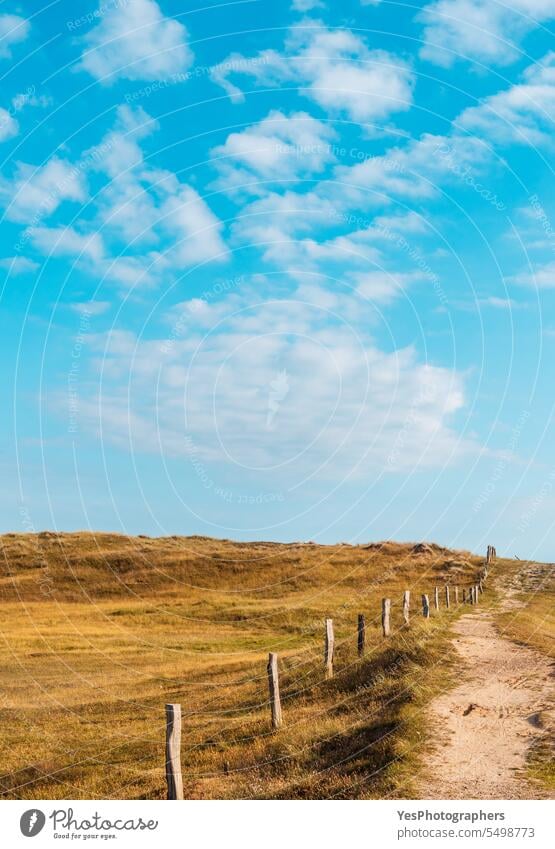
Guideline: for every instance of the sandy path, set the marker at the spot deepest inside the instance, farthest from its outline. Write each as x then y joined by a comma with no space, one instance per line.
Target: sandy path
490,720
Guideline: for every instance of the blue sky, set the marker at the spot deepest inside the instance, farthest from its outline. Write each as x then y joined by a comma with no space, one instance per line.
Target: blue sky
279,270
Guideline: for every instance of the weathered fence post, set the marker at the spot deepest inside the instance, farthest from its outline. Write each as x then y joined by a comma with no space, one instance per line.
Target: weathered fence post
476,595
386,608
425,607
480,586
436,598
173,752
361,634
273,681
464,596
328,648
406,606
456,595
447,605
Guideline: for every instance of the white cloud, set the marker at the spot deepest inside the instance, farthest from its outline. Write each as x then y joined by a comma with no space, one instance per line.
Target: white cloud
130,272
91,307
197,231
523,114
19,264
281,218
136,41
13,29
126,208
485,30
403,222
278,148
415,171
335,68
381,286
8,125
30,98
206,391
65,241
500,303
307,5
36,191
140,204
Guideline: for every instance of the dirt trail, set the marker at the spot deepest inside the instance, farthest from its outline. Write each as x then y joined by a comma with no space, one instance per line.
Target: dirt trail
491,719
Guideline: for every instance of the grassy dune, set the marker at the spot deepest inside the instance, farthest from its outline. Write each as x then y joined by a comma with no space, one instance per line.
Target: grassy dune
99,631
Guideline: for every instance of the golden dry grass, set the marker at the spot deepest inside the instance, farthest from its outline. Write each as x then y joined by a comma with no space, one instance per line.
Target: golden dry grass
531,622
100,631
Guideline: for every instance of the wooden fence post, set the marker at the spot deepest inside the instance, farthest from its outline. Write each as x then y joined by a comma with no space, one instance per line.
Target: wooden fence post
328,648
273,681
464,595
447,605
425,607
361,634
406,606
475,595
436,598
456,595
386,608
173,752
480,586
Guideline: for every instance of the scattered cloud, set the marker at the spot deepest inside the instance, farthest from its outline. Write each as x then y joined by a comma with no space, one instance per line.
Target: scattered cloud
483,30
137,204
500,303
8,125
334,68
19,265
131,272
277,148
306,5
13,30
137,42
196,229
381,286
541,277
34,192
91,307
350,408
65,241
